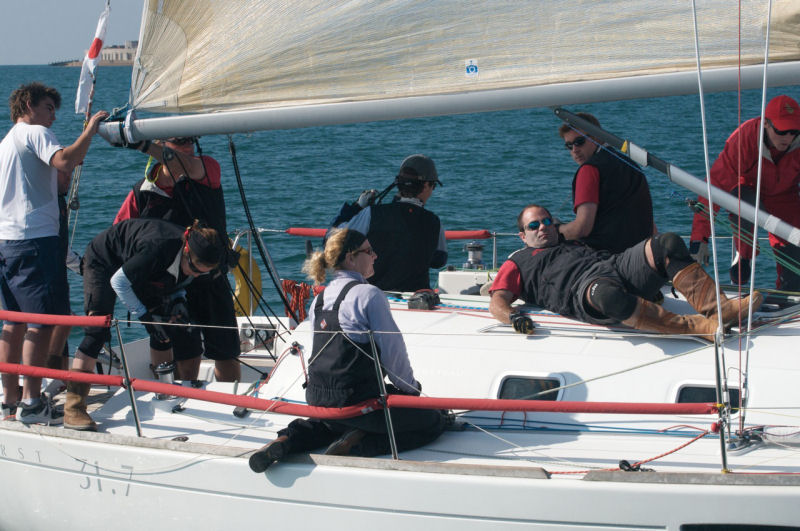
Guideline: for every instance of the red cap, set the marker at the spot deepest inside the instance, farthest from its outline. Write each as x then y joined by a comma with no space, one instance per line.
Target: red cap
783,112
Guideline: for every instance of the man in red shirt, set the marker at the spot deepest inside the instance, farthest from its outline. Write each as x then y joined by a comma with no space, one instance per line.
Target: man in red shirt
736,171
610,195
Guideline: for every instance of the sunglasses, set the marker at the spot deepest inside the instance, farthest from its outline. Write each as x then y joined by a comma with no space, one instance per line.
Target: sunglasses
181,141
534,225
581,140
792,132
192,266
368,251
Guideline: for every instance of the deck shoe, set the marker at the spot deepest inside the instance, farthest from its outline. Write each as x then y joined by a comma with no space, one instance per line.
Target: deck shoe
699,289
653,318
75,415
344,445
261,459
9,412
42,412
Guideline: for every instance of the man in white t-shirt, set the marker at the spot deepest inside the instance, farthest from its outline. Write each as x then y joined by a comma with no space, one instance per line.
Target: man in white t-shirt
30,257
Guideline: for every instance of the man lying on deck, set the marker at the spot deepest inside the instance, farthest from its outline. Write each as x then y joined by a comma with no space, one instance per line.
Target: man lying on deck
597,287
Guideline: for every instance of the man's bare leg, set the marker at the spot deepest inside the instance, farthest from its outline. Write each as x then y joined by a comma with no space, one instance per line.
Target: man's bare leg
11,352
34,354
228,370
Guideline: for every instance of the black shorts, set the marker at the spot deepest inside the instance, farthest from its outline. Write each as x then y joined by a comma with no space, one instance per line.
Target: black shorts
210,302
628,268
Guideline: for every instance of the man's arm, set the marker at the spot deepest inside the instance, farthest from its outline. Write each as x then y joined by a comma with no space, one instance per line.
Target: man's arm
66,159
439,257
176,162
583,223
500,305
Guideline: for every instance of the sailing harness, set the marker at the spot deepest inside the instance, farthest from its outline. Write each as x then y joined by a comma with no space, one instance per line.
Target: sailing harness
339,373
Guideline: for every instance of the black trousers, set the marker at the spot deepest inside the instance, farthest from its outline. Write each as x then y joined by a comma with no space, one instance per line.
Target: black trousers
412,427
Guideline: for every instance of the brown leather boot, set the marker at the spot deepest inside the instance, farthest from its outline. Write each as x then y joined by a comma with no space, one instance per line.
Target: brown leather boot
698,288
75,415
654,318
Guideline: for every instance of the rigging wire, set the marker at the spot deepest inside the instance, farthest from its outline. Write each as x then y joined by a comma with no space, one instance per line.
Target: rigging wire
745,372
169,154
259,243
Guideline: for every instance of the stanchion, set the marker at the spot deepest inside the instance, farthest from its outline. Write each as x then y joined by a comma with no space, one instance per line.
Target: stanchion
382,386
128,385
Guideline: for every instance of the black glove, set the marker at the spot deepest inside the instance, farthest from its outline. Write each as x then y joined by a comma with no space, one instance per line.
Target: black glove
698,250
521,323
156,331
142,145
178,311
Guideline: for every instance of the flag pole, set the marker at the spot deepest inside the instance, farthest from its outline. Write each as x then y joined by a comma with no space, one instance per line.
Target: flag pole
83,103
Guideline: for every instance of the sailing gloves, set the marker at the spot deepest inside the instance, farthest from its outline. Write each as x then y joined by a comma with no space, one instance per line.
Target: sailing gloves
178,311
522,323
157,332
698,250
366,198
142,145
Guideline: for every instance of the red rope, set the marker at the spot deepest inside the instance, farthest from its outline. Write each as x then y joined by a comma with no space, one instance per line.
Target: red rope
638,463
296,293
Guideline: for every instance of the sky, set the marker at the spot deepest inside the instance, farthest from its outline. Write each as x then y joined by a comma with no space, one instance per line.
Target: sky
36,32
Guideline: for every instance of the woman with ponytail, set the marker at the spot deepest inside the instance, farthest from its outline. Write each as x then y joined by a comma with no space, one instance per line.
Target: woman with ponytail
341,369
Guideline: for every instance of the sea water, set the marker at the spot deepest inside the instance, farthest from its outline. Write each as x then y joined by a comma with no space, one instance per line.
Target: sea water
491,165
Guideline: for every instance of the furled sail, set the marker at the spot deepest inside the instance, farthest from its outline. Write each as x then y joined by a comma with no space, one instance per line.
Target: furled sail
206,55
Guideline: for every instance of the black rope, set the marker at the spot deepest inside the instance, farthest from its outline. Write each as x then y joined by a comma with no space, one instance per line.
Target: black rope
177,191
261,250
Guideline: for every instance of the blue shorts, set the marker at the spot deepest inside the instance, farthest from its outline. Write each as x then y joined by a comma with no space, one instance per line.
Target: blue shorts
31,276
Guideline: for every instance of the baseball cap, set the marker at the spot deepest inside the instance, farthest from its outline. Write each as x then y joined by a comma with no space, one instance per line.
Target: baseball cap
783,112
418,167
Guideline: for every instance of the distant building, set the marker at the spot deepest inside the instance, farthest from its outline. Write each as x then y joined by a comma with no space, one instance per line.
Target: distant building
114,55
119,54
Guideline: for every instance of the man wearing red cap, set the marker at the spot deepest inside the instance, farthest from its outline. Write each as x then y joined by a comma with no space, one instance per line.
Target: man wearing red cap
736,171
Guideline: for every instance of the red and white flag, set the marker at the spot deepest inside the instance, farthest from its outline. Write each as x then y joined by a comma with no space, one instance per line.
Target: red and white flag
90,62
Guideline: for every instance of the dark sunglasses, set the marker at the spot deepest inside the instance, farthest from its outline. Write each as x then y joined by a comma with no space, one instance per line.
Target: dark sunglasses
192,266
581,140
368,251
181,141
534,225
793,132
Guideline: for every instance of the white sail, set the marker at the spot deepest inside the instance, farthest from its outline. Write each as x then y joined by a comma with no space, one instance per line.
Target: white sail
204,56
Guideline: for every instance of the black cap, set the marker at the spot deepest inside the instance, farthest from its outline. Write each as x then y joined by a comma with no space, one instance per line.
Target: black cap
418,167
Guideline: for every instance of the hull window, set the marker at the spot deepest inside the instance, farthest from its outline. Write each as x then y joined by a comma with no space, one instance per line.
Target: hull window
527,388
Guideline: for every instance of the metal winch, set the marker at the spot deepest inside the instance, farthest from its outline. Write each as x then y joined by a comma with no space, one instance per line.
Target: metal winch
474,255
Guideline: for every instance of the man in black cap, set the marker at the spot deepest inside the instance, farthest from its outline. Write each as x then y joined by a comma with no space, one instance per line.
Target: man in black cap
407,238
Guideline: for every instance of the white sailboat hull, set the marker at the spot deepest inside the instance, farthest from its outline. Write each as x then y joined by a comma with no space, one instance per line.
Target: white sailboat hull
198,489
490,476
